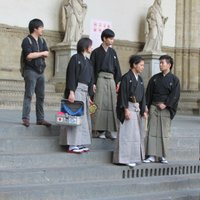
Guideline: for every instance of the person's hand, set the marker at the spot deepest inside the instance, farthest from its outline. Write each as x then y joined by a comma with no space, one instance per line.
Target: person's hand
117,87
145,115
94,88
162,106
90,101
127,114
71,97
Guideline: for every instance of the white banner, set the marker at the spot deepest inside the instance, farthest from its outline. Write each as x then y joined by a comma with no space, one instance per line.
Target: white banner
96,28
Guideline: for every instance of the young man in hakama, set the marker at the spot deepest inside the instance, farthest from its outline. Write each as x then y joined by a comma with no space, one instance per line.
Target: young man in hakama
79,86
131,104
162,96
107,75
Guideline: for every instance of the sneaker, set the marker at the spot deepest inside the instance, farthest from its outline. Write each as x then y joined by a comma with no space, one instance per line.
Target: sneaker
163,160
131,164
85,149
43,122
109,135
75,149
102,135
149,159
25,122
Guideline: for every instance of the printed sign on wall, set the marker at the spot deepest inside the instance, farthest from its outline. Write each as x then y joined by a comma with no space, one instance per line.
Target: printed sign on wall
96,28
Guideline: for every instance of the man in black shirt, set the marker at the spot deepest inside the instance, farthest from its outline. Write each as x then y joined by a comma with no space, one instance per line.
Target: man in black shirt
34,50
162,95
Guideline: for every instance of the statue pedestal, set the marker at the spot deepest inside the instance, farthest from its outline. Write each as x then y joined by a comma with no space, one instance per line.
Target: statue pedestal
63,53
151,65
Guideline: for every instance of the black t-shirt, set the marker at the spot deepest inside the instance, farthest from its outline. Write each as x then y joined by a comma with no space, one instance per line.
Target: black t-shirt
30,45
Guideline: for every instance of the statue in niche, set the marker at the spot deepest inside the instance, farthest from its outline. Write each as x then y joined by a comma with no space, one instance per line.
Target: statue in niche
73,14
154,28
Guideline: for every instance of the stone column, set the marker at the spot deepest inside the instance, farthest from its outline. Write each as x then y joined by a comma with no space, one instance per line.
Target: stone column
63,53
151,65
187,43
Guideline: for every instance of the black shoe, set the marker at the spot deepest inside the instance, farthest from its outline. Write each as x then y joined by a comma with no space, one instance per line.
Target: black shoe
25,122
44,123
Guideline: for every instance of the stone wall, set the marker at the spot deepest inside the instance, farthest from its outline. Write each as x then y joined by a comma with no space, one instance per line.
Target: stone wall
187,63
11,39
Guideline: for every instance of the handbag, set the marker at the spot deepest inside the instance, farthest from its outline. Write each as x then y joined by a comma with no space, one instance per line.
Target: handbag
70,113
74,109
92,108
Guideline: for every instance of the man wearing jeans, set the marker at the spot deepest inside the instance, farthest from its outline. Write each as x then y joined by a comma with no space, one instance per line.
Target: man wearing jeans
34,50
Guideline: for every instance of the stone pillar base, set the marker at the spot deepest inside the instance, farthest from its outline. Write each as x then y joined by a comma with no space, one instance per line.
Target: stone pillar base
63,53
151,65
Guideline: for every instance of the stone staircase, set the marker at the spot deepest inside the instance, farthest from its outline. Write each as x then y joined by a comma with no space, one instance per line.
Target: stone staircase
189,103
12,93
34,167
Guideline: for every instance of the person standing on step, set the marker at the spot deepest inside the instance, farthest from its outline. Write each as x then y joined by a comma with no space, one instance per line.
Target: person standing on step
107,75
162,96
131,105
34,50
79,86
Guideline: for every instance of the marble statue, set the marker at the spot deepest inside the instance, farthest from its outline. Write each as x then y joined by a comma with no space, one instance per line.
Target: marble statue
73,14
154,28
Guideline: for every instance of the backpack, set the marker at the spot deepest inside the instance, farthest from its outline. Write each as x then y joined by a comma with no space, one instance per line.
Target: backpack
22,58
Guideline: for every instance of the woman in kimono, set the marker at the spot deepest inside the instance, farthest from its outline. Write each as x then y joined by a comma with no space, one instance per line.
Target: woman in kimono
129,148
79,86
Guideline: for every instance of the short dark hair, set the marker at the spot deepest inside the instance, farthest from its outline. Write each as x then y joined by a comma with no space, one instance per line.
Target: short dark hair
35,24
135,59
168,59
83,43
107,33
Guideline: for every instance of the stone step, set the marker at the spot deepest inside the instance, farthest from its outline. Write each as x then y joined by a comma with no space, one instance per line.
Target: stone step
19,95
16,130
17,105
189,194
186,132
38,139
29,145
189,103
189,111
12,85
95,171
59,175
45,144
178,154
55,159
92,190
184,142
192,94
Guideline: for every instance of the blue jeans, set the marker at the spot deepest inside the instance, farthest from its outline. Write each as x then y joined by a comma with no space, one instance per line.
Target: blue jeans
34,83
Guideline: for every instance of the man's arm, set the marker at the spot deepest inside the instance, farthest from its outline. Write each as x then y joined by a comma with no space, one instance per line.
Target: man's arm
34,55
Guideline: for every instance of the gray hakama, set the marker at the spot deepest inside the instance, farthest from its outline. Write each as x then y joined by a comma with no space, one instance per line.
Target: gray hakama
159,130
78,135
105,98
129,146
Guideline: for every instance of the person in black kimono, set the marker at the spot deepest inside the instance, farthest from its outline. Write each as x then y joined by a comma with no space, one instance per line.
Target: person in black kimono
162,96
107,75
79,86
131,105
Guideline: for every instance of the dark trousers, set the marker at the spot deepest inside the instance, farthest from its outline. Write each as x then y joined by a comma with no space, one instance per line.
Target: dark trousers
34,83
